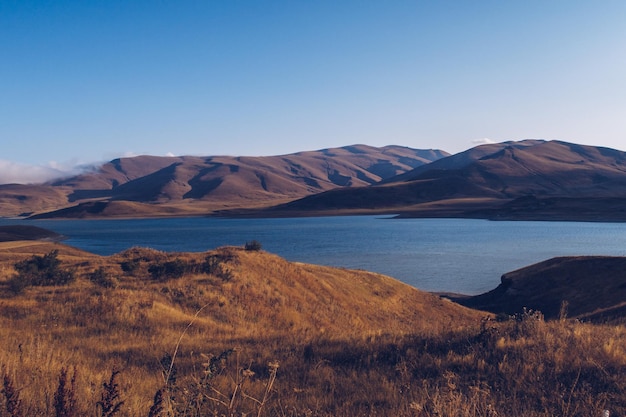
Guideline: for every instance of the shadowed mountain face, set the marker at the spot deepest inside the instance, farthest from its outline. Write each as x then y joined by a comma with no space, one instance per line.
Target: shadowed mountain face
213,182
534,167
483,181
591,287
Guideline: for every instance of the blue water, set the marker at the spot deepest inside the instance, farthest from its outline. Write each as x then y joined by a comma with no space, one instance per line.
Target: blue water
456,255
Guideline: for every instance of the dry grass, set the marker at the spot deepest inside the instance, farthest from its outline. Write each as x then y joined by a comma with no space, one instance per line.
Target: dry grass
348,343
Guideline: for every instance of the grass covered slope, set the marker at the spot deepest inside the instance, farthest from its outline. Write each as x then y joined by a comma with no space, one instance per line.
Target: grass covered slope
127,311
243,332
589,287
239,292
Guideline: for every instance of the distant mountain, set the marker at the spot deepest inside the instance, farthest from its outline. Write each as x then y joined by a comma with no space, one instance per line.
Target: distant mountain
587,287
530,179
514,169
23,200
150,185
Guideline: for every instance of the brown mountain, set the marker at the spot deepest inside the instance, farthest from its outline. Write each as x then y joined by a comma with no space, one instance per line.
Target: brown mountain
22,200
527,179
592,288
149,185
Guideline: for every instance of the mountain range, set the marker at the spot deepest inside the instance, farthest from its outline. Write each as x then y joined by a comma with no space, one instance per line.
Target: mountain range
188,185
529,179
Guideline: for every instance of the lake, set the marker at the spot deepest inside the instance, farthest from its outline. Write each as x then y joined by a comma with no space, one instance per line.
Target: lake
452,255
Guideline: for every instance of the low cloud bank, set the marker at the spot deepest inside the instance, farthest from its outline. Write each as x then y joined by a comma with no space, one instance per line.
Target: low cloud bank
482,141
16,173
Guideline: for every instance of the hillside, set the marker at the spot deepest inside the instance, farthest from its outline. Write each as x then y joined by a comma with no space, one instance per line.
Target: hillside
590,288
190,185
563,180
257,292
24,200
243,332
126,311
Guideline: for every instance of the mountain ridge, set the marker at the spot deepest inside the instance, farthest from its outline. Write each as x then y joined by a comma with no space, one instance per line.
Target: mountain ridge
531,179
483,182
190,185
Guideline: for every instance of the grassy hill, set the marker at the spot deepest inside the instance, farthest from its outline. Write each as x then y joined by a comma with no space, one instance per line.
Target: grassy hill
131,316
233,331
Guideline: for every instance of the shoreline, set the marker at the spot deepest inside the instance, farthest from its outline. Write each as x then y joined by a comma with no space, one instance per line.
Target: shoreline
395,214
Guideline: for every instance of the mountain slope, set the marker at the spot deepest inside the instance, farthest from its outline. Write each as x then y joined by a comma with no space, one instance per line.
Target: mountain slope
537,167
248,178
481,181
592,287
183,184
22,200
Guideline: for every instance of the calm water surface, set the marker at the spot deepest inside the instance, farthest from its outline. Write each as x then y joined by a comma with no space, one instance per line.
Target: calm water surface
457,255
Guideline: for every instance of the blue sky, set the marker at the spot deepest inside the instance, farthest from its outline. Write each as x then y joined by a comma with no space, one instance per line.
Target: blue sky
87,81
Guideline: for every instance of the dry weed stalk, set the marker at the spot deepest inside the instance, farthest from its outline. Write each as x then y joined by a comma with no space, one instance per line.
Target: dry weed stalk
231,401
273,367
13,404
65,395
157,404
168,374
110,403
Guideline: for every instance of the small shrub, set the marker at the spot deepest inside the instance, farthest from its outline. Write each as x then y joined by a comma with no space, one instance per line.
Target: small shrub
253,245
17,284
129,267
42,271
216,264
102,278
170,269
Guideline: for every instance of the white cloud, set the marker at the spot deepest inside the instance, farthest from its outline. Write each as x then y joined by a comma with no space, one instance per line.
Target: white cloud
16,173
483,141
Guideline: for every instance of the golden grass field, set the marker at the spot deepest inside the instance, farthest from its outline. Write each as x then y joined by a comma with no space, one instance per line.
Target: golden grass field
234,332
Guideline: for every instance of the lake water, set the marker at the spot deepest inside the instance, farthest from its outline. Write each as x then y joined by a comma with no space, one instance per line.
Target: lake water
455,255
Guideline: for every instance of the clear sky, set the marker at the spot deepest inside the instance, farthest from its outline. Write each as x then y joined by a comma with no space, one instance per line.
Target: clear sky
86,81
